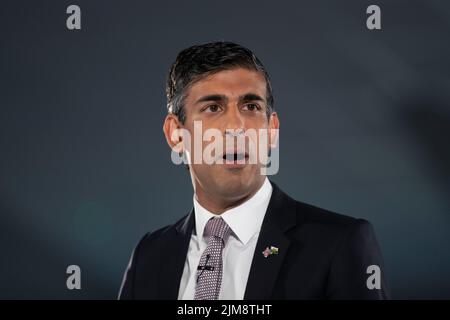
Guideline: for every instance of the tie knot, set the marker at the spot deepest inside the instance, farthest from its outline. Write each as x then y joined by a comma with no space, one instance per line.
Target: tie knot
217,227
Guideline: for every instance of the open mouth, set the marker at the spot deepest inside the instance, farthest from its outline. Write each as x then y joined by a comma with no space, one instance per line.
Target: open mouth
235,156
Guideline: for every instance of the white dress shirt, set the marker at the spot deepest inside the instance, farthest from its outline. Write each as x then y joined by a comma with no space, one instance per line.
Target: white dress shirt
245,222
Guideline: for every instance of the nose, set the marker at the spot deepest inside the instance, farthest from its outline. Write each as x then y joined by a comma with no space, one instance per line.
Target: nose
234,132
234,122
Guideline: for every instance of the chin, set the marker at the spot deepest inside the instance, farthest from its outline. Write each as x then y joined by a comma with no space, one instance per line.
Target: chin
235,185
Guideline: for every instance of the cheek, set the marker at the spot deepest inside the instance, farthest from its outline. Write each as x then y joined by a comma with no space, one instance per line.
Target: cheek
257,121
262,136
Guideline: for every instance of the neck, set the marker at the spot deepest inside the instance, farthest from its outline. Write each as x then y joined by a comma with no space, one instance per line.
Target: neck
217,204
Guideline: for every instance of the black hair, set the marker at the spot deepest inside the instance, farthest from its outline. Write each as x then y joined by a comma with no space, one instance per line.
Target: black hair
199,61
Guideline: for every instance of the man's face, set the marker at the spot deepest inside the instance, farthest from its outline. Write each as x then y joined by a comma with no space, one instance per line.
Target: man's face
228,100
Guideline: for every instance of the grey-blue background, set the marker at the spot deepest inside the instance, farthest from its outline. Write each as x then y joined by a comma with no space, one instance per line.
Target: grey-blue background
85,170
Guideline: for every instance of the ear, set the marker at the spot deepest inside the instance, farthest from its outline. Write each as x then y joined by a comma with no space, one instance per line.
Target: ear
274,126
173,133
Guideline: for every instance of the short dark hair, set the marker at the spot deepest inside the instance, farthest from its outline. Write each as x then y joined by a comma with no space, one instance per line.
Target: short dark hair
199,61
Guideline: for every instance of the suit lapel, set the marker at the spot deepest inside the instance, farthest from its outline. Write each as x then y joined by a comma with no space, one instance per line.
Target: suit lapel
172,265
279,218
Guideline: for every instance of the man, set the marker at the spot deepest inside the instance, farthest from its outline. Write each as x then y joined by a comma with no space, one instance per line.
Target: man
244,237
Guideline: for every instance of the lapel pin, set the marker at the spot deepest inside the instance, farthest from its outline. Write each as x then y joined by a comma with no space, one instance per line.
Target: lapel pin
269,251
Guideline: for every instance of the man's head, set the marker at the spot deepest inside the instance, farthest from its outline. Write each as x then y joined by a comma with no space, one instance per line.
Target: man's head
197,62
225,87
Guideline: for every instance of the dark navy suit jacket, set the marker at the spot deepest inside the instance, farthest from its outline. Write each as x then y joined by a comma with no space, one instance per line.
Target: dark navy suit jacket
321,255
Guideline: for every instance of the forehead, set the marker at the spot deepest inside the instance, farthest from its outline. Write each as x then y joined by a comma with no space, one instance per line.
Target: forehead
231,83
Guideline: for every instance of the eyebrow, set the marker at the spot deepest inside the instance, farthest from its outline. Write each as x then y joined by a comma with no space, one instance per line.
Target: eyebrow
251,97
220,97
212,97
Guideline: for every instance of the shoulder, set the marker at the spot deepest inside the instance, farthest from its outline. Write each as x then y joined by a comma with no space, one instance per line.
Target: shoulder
332,226
345,246
313,215
308,214
154,245
160,237
313,222
345,240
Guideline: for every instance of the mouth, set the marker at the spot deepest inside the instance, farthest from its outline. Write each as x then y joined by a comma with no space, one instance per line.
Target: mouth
235,156
235,159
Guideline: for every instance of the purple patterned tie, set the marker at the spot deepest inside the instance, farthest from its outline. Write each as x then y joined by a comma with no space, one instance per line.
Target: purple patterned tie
209,271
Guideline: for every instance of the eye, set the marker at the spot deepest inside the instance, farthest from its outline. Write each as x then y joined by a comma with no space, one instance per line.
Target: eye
251,107
212,108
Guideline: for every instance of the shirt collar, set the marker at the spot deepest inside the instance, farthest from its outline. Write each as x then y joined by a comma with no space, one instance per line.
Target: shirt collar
244,220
